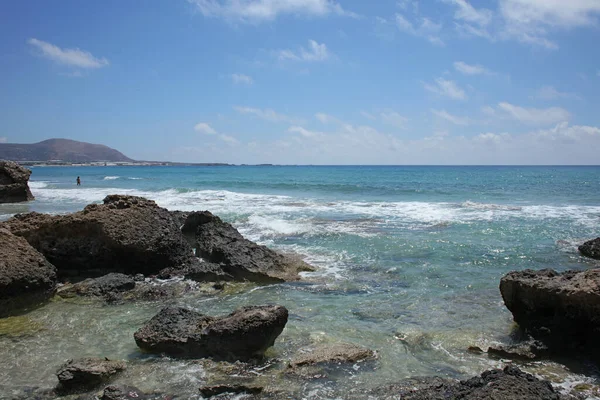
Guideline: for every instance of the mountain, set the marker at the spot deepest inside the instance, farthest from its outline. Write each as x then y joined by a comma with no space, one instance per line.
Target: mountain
60,149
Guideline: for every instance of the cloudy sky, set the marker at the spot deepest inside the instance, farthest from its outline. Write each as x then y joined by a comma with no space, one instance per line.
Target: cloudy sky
307,81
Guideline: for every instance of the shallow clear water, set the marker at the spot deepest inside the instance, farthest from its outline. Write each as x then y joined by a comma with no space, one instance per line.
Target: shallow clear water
409,261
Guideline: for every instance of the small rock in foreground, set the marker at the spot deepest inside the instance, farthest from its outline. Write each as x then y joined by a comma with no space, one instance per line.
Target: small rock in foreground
242,335
591,248
86,373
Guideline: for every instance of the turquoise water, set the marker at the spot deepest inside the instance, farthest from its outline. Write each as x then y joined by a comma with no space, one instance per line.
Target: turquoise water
409,260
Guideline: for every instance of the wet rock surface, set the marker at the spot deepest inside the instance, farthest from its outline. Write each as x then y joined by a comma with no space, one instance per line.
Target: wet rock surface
211,391
121,392
26,277
561,310
220,243
13,183
86,373
126,234
508,384
526,351
242,335
333,353
591,248
107,285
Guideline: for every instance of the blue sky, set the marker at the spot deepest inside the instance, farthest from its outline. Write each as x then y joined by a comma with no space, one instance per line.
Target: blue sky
307,81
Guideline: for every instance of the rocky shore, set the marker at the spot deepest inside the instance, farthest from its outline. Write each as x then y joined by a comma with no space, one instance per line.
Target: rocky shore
13,183
124,249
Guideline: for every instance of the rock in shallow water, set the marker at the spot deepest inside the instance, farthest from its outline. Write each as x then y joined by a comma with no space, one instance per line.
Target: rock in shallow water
13,183
591,248
561,310
242,335
86,373
26,277
333,353
107,285
126,234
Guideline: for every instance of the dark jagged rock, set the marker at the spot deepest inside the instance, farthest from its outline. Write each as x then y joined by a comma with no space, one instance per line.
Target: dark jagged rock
126,234
107,285
219,242
527,350
13,183
26,277
334,353
86,373
561,310
120,392
591,248
197,270
244,334
210,391
508,384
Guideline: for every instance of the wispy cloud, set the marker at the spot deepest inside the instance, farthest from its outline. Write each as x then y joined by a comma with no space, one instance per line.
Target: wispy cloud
468,69
304,132
532,21
463,121
70,57
267,114
315,52
534,116
256,11
551,93
206,129
242,79
326,118
424,27
203,127
393,118
446,88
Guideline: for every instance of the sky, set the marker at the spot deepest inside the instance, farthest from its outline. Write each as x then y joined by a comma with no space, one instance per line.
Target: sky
428,82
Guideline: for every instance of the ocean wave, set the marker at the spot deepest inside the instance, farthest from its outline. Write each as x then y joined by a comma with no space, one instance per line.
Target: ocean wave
489,206
38,184
111,178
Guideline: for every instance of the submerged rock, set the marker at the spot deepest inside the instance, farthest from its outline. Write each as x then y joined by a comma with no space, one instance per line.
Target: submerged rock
26,277
333,353
13,183
86,373
508,384
591,248
220,243
527,351
211,391
561,310
244,334
120,392
126,234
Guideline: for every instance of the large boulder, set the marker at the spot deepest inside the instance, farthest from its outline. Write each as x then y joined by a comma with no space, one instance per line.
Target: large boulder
561,310
242,335
591,248
13,183
86,373
126,234
219,242
26,277
508,384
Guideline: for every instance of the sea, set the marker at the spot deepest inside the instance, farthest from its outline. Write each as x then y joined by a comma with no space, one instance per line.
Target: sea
408,263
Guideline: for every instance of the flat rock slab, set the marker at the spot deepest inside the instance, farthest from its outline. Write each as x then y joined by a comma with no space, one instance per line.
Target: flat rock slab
26,277
242,335
220,243
86,373
107,285
591,248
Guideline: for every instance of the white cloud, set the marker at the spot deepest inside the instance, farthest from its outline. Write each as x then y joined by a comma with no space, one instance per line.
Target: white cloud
315,52
471,69
3,140
531,21
551,93
446,88
228,139
204,128
425,28
71,57
463,121
242,79
466,12
267,114
326,118
534,116
393,118
257,11
304,132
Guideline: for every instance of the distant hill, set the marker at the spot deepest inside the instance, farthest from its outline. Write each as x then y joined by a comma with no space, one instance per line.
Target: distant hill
61,149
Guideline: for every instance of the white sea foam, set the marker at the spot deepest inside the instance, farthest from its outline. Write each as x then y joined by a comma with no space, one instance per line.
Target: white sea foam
38,184
111,178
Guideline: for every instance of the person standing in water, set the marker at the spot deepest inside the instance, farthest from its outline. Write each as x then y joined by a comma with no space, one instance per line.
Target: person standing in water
78,181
